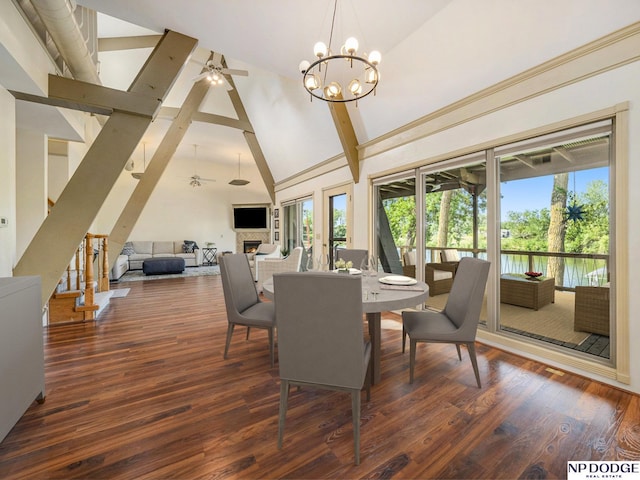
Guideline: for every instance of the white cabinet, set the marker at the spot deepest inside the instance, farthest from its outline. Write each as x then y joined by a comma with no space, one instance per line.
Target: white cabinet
21,349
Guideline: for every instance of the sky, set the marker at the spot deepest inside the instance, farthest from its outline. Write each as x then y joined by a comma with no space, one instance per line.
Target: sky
535,193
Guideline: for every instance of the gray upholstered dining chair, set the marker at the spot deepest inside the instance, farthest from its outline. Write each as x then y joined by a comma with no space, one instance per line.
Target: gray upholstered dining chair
458,322
320,338
242,302
353,255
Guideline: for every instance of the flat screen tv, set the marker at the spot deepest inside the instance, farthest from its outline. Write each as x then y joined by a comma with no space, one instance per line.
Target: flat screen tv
250,217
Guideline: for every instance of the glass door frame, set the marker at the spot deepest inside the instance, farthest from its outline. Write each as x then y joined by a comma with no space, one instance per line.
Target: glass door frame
327,216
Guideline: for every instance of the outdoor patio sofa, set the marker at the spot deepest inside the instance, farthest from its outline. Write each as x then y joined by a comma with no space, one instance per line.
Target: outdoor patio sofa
591,312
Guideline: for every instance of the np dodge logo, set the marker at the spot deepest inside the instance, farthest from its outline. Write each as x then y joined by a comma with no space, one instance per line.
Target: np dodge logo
603,470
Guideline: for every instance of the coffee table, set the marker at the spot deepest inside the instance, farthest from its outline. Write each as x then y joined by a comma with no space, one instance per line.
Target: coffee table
384,299
518,289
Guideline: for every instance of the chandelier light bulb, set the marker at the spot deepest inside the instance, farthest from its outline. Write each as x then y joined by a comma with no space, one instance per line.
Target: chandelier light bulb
320,50
351,45
332,90
304,65
312,82
209,78
355,87
371,76
375,57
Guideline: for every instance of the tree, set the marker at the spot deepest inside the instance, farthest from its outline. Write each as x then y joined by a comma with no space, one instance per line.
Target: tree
443,221
557,226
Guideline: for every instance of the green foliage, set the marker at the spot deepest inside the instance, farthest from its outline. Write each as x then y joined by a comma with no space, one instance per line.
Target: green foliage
401,213
528,229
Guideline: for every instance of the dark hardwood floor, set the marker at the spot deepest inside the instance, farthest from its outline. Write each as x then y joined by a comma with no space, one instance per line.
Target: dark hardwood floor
145,393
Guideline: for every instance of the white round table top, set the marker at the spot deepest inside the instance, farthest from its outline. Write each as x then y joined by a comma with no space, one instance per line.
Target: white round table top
377,296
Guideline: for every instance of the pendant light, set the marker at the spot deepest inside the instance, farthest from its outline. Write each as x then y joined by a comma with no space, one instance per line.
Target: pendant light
238,181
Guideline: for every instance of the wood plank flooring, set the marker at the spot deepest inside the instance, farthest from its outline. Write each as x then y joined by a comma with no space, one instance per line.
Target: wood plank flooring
144,393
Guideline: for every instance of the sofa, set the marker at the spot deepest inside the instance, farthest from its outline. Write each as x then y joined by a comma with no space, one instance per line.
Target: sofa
135,253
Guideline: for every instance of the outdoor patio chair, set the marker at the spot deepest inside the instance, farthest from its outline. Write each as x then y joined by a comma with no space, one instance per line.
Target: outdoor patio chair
458,322
321,339
438,276
450,257
242,302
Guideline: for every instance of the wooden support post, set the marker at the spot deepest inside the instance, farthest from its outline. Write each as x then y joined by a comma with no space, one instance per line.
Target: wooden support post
87,190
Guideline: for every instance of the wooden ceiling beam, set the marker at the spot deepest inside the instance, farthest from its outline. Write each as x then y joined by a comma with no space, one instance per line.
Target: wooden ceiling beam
214,119
347,135
252,140
85,193
111,44
80,95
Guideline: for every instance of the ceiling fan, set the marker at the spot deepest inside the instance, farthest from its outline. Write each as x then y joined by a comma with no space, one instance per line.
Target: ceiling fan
215,72
196,180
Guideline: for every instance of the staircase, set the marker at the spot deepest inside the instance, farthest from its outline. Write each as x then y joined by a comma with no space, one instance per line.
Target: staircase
79,297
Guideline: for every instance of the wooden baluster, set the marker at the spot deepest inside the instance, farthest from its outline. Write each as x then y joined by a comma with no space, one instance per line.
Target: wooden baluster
78,277
104,279
88,279
68,277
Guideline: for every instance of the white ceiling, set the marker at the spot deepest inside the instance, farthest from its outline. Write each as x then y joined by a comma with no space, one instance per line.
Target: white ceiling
434,52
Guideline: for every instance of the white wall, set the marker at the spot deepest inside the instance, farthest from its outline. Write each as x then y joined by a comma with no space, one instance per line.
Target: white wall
178,211
7,182
31,185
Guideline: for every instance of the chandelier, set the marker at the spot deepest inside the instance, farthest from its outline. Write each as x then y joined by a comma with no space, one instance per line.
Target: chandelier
343,77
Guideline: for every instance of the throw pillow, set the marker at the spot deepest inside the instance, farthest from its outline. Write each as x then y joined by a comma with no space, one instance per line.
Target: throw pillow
189,246
127,249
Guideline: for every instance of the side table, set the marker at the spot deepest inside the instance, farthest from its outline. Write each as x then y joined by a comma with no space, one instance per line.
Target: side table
209,255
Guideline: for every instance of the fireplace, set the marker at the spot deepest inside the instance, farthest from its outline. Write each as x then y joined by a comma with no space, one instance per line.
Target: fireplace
250,246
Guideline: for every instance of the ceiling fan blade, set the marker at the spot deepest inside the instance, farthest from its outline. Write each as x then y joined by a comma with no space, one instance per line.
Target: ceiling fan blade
216,58
231,71
200,77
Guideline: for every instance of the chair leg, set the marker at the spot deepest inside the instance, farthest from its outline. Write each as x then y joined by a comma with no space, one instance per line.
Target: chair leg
271,349
459,354
474,361
284,397
369,380
229,334
404,338
355,412
412,358
248,330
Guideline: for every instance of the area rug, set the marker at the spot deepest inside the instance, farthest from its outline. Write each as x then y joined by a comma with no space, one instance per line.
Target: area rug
120,292
138,275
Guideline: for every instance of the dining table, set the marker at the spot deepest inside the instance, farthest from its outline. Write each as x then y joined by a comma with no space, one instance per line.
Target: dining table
378,296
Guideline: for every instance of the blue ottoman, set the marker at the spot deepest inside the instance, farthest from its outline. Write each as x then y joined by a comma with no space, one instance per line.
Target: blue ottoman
160,265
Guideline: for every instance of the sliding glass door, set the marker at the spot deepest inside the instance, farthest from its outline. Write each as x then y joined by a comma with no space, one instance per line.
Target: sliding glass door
555,236
297,222
540,210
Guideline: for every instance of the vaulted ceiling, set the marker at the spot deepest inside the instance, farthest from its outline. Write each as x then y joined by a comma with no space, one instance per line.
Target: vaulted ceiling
433,53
